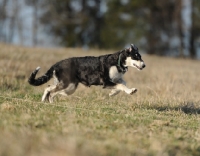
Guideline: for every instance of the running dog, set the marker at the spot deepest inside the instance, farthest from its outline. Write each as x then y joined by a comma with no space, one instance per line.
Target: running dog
106,70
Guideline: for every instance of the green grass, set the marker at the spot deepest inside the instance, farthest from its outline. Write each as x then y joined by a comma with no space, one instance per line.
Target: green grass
161,119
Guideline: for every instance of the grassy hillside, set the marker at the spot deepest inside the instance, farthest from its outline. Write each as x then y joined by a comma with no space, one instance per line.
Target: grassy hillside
161,119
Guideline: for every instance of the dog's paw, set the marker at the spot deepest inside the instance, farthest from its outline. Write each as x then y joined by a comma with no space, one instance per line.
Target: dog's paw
133,90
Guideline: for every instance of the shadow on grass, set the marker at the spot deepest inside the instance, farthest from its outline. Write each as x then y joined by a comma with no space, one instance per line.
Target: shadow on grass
190,108
186,107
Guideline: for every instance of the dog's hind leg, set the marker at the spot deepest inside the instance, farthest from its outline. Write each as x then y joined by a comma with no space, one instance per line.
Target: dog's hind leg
51,91
49,88
47,92
69,90
60,89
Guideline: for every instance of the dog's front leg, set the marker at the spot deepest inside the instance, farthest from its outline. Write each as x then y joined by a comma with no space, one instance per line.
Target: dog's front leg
121,86
114,92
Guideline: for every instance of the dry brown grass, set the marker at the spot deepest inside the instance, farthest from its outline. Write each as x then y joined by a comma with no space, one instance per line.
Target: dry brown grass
162,118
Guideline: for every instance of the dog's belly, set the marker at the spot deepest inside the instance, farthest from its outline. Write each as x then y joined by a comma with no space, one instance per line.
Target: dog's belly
89,70
91,79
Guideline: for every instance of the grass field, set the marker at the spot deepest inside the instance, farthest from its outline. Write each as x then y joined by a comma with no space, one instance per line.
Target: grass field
161,119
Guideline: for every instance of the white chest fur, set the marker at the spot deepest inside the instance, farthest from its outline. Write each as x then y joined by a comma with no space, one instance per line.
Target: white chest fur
114,74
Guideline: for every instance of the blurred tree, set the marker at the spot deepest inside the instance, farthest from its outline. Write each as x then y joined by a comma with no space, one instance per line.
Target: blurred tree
158,21
35,4
164,24
192,33
12,17
195,28
179,21
3,16
124,23
156,25
9,17
75,22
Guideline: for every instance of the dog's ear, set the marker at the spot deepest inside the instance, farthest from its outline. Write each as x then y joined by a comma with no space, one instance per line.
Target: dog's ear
130,49
133,47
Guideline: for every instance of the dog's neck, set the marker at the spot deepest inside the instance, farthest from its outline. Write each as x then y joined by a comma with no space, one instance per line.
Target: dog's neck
120,66
119,60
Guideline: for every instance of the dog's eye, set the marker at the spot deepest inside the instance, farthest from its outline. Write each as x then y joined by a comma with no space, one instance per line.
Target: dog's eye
138,57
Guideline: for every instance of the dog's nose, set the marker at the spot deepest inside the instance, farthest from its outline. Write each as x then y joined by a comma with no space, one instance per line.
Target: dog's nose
143,66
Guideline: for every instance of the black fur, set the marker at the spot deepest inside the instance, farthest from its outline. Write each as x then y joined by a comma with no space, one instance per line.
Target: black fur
41,80
87,70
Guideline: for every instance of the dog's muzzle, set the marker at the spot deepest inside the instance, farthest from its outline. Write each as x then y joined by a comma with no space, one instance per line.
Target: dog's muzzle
142,65
139,67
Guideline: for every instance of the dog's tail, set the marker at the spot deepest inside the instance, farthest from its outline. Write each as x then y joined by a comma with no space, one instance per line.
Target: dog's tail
41,80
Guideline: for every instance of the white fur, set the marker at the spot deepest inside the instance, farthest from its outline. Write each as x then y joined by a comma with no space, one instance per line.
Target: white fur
123,87
38,68
52,89
69,90
134,63
46,91
55,78
116,77
114,74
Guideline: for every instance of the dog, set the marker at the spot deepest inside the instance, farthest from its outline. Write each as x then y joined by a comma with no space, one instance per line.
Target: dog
106,70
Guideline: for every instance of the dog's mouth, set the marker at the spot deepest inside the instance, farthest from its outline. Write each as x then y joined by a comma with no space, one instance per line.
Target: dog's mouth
139,68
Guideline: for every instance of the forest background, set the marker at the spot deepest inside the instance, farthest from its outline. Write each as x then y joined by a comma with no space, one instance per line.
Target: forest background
169,28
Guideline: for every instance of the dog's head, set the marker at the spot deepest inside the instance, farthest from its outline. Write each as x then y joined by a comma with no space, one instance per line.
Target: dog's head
133,58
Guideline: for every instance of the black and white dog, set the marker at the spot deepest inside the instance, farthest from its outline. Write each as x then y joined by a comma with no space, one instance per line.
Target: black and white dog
105,70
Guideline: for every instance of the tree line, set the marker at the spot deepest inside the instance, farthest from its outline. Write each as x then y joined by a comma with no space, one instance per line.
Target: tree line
158,26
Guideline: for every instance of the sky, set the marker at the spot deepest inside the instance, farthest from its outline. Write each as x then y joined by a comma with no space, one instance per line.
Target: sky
23,26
